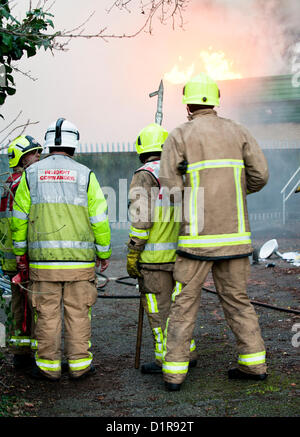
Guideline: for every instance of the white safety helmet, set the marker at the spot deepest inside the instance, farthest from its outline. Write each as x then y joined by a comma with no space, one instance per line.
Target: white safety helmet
62,134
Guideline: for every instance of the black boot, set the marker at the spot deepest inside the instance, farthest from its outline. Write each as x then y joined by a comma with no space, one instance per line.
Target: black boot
23,361
151,368
238,374
171,386
192,363
64,367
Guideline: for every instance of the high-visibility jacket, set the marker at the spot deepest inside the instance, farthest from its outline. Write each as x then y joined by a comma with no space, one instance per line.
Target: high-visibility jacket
224,163
160,232
60,216
8,260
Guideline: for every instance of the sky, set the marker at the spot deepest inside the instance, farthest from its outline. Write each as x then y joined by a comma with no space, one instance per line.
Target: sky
103,86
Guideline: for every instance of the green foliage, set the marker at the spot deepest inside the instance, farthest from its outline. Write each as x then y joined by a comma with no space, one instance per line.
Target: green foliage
19,38
11,406
260,390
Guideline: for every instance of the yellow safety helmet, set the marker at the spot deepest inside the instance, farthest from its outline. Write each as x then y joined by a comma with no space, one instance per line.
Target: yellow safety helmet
151,139
19,147
201,90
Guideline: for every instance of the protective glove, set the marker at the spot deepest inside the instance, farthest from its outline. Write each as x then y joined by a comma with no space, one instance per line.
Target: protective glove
133,263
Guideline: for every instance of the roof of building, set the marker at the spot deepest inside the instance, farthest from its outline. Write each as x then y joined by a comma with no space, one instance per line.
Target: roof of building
269,99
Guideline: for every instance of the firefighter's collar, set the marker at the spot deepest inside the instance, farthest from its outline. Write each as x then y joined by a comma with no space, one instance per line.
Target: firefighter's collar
152,158
200,112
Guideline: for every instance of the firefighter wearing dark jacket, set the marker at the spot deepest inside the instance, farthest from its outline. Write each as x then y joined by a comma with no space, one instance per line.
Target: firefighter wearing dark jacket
22,152
153,240
223,163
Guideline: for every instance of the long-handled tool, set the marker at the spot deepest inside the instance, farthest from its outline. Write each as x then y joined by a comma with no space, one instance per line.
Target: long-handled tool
158,120
160,94
139,335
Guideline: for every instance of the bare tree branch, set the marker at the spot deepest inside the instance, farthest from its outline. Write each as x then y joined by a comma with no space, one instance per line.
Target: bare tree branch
6,127
25,73
22,126
168,9
163,9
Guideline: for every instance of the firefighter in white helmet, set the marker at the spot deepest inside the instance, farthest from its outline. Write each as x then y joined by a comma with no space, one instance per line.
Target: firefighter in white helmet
216,163
153,239
60,220
22,152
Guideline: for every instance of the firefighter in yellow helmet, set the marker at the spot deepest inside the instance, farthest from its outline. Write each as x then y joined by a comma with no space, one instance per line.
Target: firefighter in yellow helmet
60,219
22,152
153,239
216,163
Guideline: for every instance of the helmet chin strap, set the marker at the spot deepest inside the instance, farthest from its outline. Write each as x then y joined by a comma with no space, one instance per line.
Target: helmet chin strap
190,114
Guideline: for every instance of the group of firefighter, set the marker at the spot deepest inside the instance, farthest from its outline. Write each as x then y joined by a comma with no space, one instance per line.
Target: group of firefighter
188,213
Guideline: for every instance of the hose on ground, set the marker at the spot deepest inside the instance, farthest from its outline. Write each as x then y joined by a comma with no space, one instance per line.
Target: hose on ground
121,280
263,304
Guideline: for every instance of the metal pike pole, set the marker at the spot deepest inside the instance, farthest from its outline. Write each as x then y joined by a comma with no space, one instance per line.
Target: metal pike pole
158,120
139,336
160,94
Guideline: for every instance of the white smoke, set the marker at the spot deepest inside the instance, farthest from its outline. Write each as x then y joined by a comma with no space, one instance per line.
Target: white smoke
271,26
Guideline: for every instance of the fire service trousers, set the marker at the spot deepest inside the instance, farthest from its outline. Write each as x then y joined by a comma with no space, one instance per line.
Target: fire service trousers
156,289
230,277
74,300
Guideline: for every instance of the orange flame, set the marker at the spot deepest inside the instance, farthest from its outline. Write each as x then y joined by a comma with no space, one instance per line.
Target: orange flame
214,64
217,66
177,75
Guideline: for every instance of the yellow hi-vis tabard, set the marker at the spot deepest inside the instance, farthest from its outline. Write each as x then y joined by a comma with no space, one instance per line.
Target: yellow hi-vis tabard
8,261
61,212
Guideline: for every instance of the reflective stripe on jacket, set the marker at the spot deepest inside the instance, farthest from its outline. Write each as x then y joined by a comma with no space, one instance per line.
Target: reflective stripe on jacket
162,235
240,236
8,258
61,205
224,164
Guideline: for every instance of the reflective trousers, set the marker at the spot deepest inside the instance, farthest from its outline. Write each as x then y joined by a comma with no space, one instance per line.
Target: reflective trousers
74,300
230,278
156,288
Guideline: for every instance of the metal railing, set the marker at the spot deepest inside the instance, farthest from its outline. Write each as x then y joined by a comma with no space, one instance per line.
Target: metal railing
263,216
285,196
